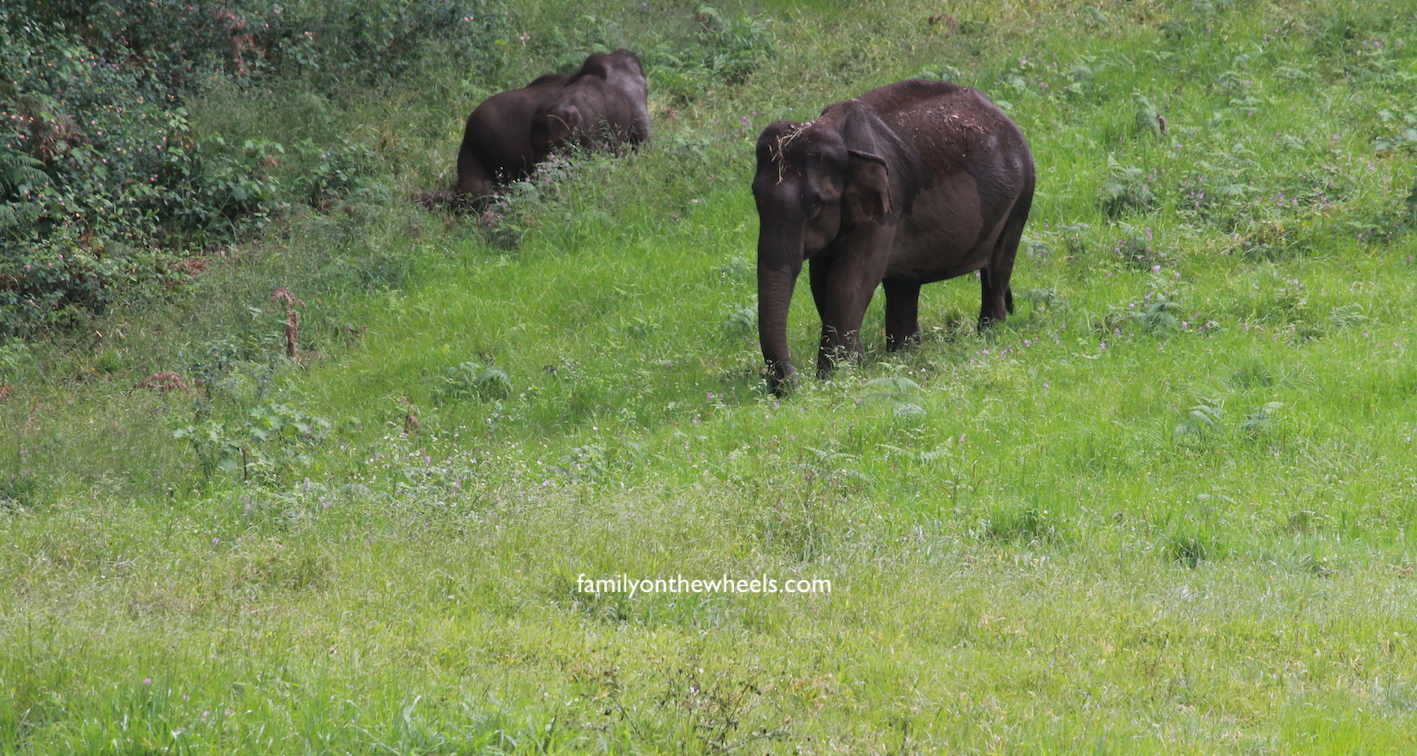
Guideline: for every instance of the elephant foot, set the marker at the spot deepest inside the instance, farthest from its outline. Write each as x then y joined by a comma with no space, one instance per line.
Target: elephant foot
453,201
435,200
897,343
987,321
782,379
830,358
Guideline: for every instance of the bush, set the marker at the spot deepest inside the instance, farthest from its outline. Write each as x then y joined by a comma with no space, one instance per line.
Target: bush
470,380
105,185
723,50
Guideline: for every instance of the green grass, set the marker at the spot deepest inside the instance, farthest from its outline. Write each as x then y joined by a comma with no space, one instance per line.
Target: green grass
1164,509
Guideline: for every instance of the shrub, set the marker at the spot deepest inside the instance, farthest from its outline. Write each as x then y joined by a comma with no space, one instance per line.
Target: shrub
469,380
1126,188
724,49
105,186
267,444
1019,524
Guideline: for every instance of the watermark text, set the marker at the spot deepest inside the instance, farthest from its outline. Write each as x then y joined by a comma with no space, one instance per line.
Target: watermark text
680,584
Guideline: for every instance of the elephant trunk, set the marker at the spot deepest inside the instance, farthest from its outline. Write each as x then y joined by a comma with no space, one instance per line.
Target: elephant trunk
779,263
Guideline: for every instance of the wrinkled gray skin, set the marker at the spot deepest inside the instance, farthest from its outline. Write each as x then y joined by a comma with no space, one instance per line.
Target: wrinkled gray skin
605,102
603,105
915,182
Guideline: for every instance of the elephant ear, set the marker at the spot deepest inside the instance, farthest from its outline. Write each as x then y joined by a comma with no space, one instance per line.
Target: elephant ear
563,122
867,196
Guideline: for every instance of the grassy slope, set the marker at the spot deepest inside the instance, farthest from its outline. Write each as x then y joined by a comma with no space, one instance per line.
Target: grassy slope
1027,555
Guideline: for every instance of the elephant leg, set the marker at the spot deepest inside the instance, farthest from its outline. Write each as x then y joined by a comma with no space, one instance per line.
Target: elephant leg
1001,270
474,181
849,286
829,348
993,306
902,314
996,296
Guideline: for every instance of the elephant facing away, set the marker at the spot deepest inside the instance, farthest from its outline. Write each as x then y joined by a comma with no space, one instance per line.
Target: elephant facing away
496,143
914,182
604,103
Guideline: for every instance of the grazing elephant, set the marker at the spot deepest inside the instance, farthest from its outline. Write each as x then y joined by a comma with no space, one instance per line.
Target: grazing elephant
496,144
511,132
915,182
605,103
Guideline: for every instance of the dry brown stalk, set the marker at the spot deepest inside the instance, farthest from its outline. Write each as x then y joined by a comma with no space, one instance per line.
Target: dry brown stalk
164,382
292,321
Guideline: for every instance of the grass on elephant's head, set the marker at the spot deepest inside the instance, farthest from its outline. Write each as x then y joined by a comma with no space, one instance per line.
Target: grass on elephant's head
1164,508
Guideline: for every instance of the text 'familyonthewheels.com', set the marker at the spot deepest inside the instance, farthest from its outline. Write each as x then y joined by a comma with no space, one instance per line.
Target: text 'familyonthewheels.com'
679,584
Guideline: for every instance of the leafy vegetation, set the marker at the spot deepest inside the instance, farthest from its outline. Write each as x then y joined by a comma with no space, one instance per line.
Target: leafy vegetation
111,191
322,472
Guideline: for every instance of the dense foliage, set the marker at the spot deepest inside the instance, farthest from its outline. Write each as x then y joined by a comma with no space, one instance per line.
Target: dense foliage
108,189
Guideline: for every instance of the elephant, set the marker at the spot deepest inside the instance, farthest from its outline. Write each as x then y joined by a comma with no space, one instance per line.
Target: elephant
603,104
915,182
511,132
496,143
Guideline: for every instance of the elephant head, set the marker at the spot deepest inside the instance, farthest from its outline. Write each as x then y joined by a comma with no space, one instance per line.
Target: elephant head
815,183
604,103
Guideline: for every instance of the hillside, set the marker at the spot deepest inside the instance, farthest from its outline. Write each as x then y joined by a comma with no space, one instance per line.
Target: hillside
1166,508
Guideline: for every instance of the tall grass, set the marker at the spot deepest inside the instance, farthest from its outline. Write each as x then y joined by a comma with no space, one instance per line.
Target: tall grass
1165,508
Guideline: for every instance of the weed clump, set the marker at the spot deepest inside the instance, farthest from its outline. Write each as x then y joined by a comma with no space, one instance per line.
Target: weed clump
1205,424
266,444
1127,188
515,210
1262,420
1150,121
472,381
1252,372
1399,131
1191,549
1020,524
18,489
1045,300
1202,422
1346,316
741,323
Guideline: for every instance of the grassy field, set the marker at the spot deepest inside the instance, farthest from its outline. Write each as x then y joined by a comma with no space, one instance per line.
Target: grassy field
1167,508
